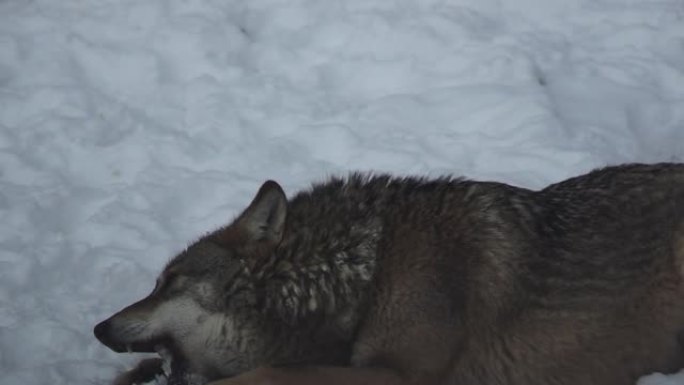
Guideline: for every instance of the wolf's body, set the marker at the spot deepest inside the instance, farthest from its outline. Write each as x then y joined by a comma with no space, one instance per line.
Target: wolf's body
381,280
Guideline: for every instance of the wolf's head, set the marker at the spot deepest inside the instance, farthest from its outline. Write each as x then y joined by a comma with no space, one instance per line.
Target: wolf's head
205,307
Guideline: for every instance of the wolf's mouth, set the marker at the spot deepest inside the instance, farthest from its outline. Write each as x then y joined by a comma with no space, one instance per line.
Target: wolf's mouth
174,365
135,347
148,346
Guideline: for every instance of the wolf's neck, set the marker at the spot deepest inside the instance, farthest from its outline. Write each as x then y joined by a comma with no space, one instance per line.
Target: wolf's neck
323,273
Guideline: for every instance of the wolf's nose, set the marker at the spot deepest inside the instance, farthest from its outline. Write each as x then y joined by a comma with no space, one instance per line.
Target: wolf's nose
101,331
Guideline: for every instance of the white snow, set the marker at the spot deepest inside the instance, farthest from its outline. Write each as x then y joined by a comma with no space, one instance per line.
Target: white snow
128,128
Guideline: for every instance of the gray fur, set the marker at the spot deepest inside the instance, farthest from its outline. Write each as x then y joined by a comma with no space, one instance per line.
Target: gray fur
444,281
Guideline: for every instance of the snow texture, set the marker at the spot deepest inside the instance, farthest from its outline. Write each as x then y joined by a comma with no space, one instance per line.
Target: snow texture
129,128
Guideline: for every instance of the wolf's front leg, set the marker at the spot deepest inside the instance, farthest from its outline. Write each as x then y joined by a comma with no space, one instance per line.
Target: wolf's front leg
317,376
145,371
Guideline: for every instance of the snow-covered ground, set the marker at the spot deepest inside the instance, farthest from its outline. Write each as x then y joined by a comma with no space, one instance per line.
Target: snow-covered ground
128,128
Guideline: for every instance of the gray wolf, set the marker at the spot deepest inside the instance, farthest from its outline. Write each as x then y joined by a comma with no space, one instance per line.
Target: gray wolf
374,279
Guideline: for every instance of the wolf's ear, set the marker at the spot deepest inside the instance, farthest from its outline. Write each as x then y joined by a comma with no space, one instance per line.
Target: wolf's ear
264,219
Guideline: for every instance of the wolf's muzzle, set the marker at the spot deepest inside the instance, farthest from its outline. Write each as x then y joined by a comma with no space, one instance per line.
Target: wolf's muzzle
103,332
